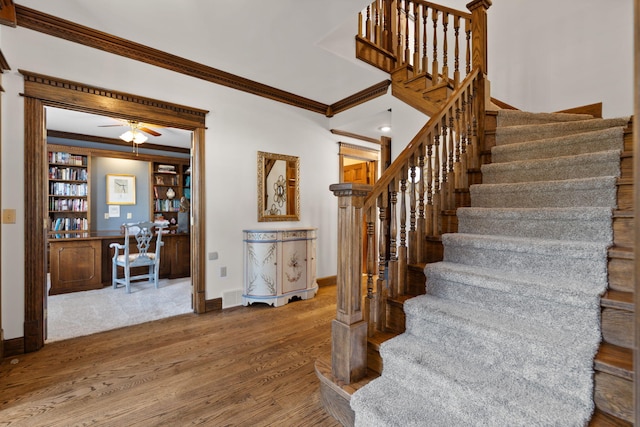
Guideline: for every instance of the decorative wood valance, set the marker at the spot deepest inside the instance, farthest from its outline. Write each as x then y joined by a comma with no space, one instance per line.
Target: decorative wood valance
95,100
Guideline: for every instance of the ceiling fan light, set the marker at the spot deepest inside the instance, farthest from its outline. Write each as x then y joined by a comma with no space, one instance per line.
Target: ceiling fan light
127,136
139,138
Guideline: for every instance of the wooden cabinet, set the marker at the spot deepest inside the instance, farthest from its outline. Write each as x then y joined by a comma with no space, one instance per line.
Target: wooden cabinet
279,265
68,190
82,261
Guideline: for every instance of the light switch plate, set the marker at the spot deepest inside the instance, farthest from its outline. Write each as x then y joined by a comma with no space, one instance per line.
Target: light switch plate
8,216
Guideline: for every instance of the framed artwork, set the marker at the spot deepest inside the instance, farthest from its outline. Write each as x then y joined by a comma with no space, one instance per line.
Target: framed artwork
121,189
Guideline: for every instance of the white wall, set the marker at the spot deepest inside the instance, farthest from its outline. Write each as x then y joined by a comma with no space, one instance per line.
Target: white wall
238,125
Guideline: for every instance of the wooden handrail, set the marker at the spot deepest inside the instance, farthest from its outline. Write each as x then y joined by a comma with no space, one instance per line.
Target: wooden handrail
394,169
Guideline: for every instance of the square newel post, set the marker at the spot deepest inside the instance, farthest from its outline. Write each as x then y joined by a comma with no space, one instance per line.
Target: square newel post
348,329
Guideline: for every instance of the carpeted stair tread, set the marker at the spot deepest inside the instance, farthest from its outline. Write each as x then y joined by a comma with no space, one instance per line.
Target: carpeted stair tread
491,325
588,165
565,292
510,293
523,133
571,223
597,191
586,142
549,259
516,118
403,408
482,380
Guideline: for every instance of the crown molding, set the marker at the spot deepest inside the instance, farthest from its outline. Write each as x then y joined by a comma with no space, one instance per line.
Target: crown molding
67,30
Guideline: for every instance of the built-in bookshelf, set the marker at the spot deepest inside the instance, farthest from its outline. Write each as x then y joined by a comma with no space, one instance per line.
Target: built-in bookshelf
68,192
169,185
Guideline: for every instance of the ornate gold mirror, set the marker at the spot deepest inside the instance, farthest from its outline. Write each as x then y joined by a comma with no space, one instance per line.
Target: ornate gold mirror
278,187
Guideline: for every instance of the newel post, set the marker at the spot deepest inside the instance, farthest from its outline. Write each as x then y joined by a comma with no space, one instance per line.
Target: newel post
479,60
348,329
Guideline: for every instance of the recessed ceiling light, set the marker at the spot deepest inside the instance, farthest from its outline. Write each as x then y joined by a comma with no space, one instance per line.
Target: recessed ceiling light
384,128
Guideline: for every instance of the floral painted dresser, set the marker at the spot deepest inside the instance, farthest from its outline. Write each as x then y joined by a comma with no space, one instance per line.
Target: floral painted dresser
279,265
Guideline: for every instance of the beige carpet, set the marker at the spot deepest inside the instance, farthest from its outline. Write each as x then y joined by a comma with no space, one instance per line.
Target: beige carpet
83,313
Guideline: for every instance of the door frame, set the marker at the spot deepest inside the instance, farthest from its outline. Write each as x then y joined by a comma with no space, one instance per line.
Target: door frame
42,91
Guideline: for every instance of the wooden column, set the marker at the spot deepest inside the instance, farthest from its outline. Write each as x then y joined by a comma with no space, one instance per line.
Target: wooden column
348,329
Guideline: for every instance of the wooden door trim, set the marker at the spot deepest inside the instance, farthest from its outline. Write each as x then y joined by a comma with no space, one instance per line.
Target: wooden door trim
41,91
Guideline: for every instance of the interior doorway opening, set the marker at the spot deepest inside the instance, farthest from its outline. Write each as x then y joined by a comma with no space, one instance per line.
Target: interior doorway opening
43,91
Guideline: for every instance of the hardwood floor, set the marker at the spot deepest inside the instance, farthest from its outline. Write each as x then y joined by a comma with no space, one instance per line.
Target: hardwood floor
247,366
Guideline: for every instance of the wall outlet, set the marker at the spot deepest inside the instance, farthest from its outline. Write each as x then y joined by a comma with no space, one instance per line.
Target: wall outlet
106,215
129,215
223,271
213,256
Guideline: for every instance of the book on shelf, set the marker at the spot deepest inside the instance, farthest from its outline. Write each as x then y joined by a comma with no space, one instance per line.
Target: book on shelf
166,169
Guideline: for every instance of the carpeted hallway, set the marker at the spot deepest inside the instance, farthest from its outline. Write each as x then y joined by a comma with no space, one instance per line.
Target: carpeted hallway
83,313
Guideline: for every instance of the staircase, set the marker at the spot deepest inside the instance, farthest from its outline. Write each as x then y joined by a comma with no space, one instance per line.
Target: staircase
530,195
517,254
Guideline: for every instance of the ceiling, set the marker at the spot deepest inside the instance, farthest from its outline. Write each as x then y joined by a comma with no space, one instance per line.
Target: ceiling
305,47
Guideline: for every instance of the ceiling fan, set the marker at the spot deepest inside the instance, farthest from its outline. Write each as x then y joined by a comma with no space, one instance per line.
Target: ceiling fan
135,133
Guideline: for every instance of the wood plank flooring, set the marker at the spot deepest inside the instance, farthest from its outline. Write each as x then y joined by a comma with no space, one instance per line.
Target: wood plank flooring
247,366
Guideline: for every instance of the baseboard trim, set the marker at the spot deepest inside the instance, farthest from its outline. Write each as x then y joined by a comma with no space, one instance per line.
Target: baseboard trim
13,347
327,281
213,305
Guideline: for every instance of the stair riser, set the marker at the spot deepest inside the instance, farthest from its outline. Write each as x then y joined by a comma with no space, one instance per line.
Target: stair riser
592,231
517,118
544,265
623,232
621,274
498,175
554,148
550,313
509,135
598,197
614,395
616,327
626,167
625,196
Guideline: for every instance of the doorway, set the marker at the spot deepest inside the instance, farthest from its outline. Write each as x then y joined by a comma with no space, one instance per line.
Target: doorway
42,91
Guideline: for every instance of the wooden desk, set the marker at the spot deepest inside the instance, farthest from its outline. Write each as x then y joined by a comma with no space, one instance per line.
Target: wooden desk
81,261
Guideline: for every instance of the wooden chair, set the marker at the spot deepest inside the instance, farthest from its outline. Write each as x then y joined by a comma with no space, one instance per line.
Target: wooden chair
144,233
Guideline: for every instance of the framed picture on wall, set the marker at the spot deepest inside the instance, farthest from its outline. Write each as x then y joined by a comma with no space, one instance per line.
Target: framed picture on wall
121,189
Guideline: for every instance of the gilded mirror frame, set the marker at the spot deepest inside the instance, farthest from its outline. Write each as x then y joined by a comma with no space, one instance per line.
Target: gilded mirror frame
286,189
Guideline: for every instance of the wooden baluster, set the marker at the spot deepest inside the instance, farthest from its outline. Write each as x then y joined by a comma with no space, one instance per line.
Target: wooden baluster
371,299
367,24
467,30
452,177
360,33
402,247
434,65
445,46
416,39
399,30
444,186
413,250
429,178
393,239
382,284
472,131
421,230
460,165
437,183
425,57
456,66
387,23
376,23
407,48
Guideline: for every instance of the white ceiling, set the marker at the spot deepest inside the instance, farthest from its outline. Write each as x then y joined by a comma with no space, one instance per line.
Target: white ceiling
305,47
